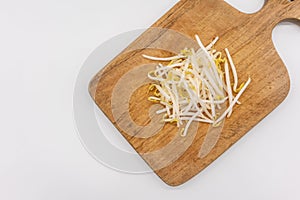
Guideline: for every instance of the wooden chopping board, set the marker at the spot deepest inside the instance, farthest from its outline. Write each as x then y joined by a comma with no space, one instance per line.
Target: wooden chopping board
120,89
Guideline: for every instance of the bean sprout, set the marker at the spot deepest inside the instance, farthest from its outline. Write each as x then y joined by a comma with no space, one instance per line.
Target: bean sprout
193,86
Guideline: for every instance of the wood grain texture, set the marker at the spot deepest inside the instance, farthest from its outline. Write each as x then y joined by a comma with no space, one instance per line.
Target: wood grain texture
249,39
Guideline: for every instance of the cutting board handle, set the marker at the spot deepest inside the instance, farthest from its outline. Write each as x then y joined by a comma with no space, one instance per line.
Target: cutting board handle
285,9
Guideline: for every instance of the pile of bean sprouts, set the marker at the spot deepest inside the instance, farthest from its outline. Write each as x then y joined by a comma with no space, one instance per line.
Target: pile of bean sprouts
194,85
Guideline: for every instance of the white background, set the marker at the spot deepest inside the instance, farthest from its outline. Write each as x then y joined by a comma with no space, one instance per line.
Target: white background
43,45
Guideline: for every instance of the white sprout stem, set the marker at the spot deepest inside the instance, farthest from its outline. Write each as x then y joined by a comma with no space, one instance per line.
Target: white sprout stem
228,84
233,102
198,120
154,98
234,73
163,59
164,69
161,111
162,92
190,114
188,125
217,101
208,47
